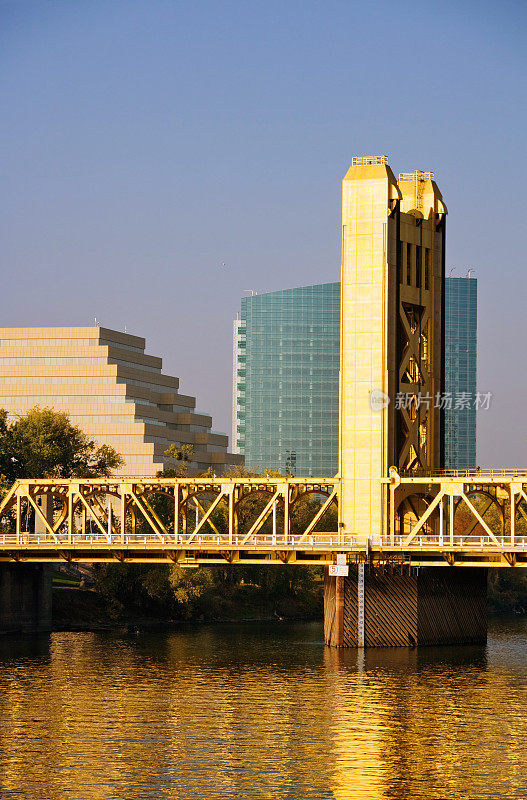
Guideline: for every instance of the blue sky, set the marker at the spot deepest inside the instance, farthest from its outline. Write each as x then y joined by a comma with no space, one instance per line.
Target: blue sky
145,142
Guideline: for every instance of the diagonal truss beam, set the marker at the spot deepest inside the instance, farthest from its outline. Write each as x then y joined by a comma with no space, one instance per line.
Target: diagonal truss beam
7,501
412,342
105,515
479,518
323,508
206,512
149,514
475,522
421,521
93,515
206,517
255,527
42,517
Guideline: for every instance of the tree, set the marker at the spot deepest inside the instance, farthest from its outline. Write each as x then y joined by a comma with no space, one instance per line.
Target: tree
44,444
183,454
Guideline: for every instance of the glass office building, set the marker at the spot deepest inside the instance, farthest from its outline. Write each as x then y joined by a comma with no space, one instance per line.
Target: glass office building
461,318
286,375
286,367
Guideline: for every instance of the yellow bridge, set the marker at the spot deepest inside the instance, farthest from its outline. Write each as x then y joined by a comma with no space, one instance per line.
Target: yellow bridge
464,519
389,510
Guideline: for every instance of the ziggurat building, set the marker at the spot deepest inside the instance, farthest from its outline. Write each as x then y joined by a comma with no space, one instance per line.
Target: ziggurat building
110,388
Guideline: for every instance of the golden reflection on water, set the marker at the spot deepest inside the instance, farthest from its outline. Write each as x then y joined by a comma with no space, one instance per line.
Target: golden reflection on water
260,712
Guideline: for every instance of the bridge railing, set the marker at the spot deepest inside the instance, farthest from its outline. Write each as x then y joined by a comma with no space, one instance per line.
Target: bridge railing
501,472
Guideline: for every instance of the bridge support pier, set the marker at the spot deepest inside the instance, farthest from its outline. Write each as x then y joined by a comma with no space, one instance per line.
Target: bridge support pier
26,589
425,606
25,598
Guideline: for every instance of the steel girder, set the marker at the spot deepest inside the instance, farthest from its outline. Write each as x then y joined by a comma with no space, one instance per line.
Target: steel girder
167,518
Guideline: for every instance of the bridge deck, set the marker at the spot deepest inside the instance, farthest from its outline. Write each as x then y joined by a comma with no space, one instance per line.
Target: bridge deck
469,519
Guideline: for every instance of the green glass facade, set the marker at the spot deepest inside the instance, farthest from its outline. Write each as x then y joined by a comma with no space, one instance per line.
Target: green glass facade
461,321
286,373
286,380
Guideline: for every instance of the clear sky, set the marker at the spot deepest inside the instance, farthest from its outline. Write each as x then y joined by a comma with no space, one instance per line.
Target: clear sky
145,142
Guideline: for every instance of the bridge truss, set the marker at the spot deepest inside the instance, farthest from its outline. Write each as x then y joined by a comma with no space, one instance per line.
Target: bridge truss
473,518
465,518
183,520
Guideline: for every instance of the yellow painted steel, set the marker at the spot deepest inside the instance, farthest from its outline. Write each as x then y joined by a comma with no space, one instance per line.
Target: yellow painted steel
448,513
433,520
393,244
210,520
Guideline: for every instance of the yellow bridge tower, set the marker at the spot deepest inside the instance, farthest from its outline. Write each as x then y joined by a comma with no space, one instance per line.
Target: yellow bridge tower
391,381
391,347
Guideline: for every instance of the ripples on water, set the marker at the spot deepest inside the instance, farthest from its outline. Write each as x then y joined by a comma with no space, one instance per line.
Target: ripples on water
260,711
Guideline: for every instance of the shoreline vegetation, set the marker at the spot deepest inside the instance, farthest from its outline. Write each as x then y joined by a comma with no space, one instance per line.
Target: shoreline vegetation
507,590
44,444
135,596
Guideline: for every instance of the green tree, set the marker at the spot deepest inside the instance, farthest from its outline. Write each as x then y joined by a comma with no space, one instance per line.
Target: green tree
189,586
44,444
183,454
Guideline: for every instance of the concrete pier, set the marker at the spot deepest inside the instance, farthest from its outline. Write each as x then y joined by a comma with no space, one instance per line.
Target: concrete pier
25,598
26,589
387,608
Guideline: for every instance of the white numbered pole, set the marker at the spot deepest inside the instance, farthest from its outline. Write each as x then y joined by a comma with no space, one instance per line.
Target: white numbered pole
109,520
360,606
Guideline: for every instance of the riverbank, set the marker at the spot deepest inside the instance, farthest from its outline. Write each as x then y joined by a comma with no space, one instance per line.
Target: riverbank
507,591
116,595
77,609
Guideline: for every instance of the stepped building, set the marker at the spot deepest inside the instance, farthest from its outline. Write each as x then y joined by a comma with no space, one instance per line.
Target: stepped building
113,390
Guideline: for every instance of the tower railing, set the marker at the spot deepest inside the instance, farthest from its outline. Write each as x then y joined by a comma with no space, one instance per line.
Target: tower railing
368,161
416,175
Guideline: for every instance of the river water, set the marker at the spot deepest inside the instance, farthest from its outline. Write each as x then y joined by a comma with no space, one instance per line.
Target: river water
260,711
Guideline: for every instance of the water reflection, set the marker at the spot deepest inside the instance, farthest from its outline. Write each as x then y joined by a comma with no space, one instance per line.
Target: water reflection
260,712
